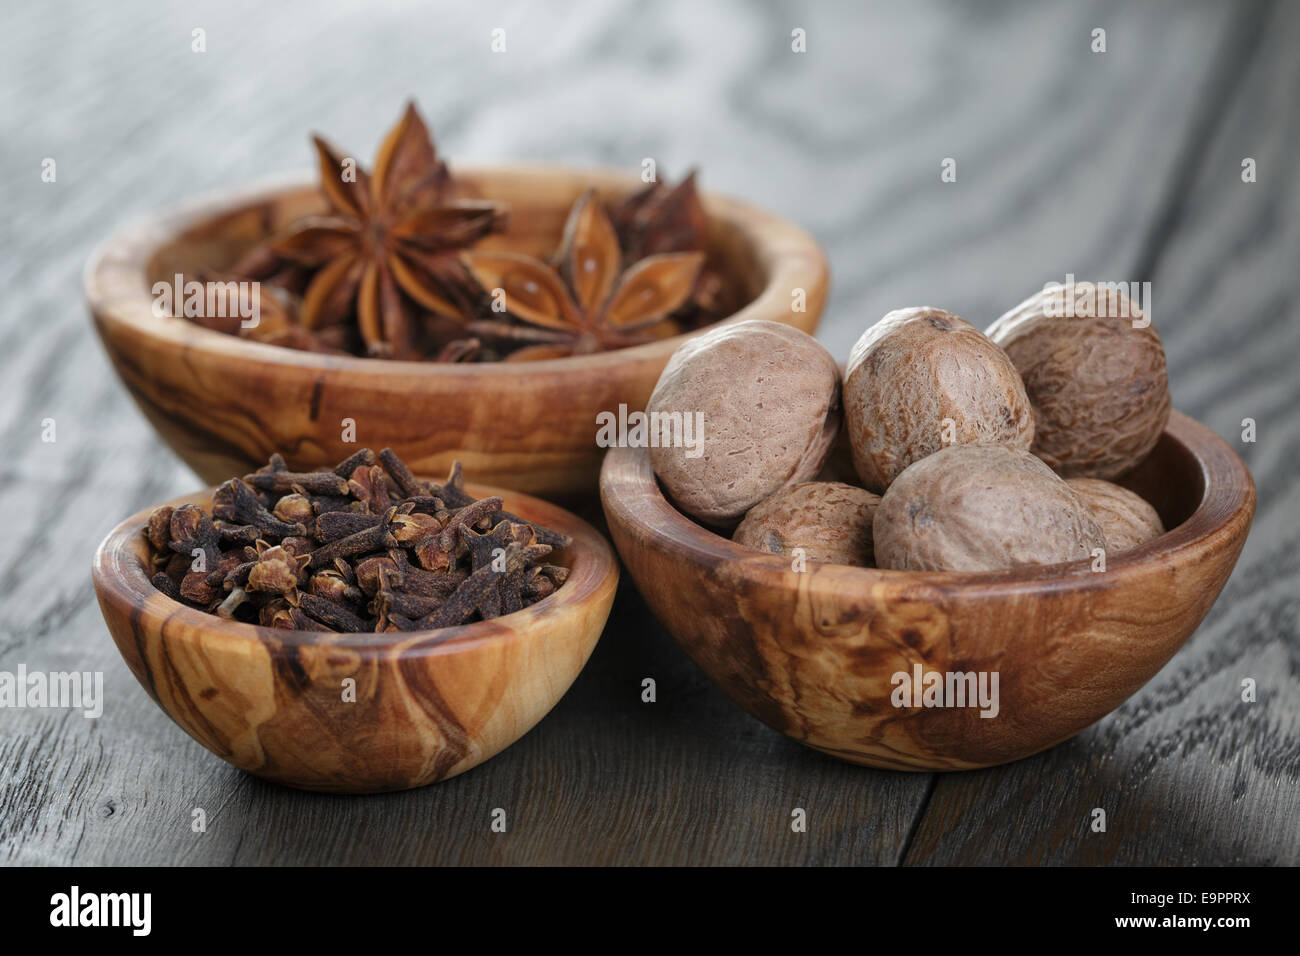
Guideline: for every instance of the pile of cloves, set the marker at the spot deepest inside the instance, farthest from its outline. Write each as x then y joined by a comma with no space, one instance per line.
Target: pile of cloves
366,546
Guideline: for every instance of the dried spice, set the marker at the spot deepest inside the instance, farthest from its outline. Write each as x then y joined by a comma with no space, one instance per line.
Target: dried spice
584,301
386,249
381,272
278,322
659,219
365,546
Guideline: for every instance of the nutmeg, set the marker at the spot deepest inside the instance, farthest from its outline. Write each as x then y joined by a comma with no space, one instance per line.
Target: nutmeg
981,508
767,398
1097,383
1126,519
830,521
921,379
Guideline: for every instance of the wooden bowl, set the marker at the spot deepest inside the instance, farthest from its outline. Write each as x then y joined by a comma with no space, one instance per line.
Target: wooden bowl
428,705
224,403
813,654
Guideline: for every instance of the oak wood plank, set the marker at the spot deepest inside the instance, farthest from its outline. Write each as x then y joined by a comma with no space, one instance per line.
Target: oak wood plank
1185,770
1061,156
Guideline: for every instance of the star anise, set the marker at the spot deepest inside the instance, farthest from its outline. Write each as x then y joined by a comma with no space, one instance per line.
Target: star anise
583,301
662,218
277,320
388,246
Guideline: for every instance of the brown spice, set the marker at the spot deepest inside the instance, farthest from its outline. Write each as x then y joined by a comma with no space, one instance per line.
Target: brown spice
584,300
828,521
402,554
387,248
1094,370
660,219
381,273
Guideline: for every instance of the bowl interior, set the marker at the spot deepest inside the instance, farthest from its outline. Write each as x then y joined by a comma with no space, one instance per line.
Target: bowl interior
539,203
1198,485
123,563
1174,500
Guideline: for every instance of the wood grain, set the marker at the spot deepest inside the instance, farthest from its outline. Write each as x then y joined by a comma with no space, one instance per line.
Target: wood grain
1124,166
1187,771
224,404
813,652
424,706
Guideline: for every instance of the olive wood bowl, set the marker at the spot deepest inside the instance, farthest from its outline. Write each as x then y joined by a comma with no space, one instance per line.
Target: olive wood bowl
224,403
428,705
813,654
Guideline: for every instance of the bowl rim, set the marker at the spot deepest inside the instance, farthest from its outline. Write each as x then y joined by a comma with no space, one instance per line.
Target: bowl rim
120,580
632,497
116,287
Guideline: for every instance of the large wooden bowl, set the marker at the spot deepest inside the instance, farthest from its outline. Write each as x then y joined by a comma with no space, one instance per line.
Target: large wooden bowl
428,705
224,403
813,654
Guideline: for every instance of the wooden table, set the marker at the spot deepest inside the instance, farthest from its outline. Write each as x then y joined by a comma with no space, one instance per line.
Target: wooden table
1125,165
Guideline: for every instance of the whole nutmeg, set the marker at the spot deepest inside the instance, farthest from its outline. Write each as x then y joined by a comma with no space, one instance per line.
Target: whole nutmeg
1125,517
829,520
766,398
1097,383
921,379
981,508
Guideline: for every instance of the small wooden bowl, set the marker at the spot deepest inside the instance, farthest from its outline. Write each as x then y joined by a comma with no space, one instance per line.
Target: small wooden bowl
428,705
813,654
224,403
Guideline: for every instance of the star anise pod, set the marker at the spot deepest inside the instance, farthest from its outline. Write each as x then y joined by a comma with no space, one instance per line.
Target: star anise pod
388,245
661,218
459,350
583,301
277,320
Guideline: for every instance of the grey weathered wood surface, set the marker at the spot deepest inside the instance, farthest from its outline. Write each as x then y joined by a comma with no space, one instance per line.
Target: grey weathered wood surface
1124,165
